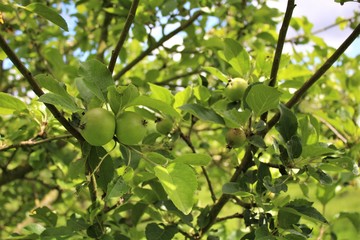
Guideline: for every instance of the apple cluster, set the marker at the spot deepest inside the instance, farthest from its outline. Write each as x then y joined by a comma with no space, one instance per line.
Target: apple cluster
98,126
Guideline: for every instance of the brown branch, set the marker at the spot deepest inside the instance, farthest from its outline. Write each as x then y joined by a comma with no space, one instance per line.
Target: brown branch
14,174
30,143
319,73
123,35
279,48
236,215
156,45
36,88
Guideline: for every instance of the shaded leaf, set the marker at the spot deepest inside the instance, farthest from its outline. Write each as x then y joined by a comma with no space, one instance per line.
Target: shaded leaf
155,231
45,215
288,124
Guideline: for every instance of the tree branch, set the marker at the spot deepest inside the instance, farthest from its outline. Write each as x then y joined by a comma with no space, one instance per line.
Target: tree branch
123,35
319,73
157,44
36,88
279,47
14,174
30,143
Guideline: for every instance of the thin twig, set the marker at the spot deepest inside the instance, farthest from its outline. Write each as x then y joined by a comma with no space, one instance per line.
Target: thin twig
36,88
279,48
191,146
30,143
318,74
294,39
236,215
157,44
123,35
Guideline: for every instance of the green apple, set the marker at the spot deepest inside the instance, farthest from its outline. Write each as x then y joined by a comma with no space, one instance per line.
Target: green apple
97,126
235,137
164,125
235,89
130,128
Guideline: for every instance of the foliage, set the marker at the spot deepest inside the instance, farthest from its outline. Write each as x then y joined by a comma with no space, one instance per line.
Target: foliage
294,178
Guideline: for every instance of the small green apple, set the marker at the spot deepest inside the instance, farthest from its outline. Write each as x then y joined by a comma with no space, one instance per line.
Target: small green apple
130,128
97,126
235,137
164,125
235,89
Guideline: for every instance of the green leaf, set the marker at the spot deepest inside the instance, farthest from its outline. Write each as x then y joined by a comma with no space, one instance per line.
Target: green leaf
10,104
234,118
48,13
147,195
202,113
217,73
354,218
63,102
34,228
202,93
257,141
237,56
262,98
303,208
317,150
324,193
102,166
116,188
155,231
234,188
294,147
180,183
155,105
45,215
57,232
182,97
286,219
277,185
48,82
196,159
319,175
156,158
97,77
288,124
161,93
121,96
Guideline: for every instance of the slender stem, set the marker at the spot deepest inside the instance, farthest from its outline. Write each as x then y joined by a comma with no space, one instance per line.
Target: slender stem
156,45
123,35
279,47
170,79
36,88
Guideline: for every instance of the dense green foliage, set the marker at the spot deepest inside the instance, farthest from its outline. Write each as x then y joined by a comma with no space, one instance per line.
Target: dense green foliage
295,177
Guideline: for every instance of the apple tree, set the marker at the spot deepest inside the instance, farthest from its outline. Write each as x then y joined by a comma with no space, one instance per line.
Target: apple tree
176,119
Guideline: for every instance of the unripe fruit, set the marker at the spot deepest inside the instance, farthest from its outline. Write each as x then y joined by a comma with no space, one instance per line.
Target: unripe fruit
97,126
235,89
130,128
235,137
164,125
